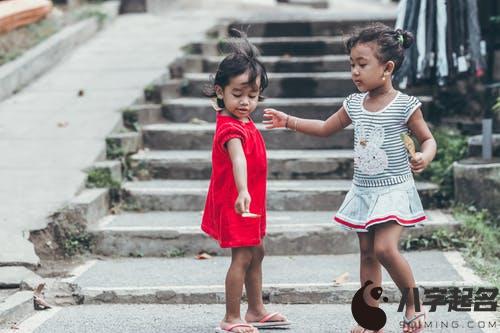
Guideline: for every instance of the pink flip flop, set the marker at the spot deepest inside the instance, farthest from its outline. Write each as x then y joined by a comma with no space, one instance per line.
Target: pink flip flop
266,323
229,329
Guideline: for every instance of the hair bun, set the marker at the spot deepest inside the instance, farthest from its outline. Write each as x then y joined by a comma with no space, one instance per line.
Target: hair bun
406,37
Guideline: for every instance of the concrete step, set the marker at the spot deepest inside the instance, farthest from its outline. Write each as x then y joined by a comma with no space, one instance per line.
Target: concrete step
276,64
308,27
165,234
282,164
200,136
15,306
184,110
276,46
308,279
203,318
475,147
281,85
296,195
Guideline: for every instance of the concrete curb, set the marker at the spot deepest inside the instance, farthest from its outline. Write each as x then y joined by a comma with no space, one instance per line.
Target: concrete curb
36,61
277,294
16,308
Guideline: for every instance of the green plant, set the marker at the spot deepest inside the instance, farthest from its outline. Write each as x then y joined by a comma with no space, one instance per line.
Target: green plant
131,119
77,243
451,147
440,239
101,177
114,149
176,252
478,238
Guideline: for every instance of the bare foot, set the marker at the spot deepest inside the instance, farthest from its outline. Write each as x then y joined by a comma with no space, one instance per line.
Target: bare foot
244,328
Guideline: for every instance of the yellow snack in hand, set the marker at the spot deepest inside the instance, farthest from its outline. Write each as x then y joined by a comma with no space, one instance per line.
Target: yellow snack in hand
409,144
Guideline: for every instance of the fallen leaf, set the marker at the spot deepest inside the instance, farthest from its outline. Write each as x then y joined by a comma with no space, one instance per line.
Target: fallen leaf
197,121
203,256
342,278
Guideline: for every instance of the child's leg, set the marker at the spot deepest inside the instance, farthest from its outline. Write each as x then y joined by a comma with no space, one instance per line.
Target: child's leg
387,237
253,286
240,262
369,268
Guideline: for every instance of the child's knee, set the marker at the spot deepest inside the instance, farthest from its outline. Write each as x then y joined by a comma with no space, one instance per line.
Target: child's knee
385,253
242,257
258,253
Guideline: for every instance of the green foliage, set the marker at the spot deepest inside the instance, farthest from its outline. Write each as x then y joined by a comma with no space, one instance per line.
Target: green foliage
451,147
101,178
77,243
176,252
478,237
72,236
441,239
131,119
114,149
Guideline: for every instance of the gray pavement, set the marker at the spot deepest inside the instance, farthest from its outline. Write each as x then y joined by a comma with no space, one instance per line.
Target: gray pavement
157,272
204,318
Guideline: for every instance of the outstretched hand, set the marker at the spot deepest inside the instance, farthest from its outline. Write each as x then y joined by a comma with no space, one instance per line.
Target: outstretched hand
275,118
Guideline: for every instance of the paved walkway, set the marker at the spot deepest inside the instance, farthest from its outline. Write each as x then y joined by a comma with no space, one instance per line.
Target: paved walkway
48,134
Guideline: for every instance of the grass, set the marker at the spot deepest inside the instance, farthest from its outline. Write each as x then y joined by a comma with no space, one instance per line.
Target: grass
478,239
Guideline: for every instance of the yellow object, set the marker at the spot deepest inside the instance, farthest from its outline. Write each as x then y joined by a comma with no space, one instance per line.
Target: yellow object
409,144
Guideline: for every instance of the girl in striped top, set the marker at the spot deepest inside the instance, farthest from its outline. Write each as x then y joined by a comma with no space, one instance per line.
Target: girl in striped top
383,198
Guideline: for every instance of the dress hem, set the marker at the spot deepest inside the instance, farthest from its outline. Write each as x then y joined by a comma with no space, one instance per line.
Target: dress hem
364,227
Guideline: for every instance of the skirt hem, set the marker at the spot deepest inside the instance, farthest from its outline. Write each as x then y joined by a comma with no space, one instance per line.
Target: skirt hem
342,221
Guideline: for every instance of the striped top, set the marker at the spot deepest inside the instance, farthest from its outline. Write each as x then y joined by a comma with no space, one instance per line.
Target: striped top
380,157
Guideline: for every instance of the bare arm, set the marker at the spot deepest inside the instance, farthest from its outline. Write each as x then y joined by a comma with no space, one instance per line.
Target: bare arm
335,123
235,149
428,145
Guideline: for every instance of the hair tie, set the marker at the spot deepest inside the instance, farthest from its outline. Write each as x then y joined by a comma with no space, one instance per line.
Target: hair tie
401,39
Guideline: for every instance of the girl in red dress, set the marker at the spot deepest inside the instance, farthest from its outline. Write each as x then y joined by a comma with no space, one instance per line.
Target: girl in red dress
238,185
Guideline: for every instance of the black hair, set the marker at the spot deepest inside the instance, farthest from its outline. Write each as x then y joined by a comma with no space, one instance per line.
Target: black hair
391,43
242,57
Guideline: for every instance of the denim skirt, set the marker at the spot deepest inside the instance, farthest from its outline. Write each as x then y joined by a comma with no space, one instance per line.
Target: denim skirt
364,207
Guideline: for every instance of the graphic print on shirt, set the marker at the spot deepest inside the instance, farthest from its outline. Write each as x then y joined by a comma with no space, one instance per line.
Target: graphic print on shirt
369,158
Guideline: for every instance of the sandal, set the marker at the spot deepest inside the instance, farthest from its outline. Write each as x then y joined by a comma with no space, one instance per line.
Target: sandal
407,322
229,329
265,322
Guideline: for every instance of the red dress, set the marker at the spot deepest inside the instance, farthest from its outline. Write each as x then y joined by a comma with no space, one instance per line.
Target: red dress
220,220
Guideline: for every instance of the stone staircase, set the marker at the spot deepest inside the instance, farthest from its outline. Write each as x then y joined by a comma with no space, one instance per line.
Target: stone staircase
159,224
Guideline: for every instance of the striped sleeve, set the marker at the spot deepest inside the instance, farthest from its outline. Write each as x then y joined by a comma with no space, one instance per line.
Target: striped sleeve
412,106
347,105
